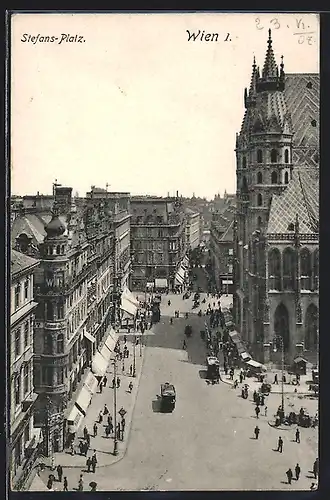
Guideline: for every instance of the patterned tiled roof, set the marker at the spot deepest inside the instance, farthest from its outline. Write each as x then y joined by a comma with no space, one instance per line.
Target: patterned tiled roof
300,197
19,261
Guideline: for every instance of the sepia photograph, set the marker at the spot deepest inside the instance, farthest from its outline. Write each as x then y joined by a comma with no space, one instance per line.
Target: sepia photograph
164,251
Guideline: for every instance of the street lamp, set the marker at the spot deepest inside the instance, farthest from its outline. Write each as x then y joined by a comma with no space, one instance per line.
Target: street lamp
280,339
134,367
115,442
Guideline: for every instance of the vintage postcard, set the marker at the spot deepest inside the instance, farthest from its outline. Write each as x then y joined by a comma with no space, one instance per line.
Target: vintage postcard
164,290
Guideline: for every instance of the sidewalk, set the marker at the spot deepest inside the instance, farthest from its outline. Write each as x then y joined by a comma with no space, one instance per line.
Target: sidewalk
101,444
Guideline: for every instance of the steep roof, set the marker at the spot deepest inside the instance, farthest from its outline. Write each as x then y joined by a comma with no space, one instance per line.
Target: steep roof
31,225
300,197
19,261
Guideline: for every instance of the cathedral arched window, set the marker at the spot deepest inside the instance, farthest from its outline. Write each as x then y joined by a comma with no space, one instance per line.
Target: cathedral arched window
62,249
48,344
259,178
273,156
244,161
286,178
259,221
58,249
259,156
274,178
244,184
274,269
306,269
316,269
289,266
49,311
286,156
259,200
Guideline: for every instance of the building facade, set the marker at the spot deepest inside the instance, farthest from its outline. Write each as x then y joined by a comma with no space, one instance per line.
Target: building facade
24,437
75,295
277,154
158,240
193,229
222,249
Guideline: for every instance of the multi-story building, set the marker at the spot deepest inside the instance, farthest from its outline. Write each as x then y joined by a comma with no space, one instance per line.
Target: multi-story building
222,248
118,209
193,229
158,241
74,290
276,232
24,437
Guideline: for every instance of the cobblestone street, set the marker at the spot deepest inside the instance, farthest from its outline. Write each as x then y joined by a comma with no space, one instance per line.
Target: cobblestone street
207,442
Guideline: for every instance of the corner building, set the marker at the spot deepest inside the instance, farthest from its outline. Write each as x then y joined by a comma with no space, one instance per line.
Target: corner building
276,227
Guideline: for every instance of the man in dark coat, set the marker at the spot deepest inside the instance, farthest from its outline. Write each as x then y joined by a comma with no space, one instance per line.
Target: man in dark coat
289,475
59,472
280,445
297,471
256,432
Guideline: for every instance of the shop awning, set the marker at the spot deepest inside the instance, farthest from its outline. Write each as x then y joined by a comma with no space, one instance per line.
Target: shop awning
227,282
130,297
111,340
256,364
105,353
99,365
127,306
38,484
161,283
74,419
179,278
83,399
89,336
91,383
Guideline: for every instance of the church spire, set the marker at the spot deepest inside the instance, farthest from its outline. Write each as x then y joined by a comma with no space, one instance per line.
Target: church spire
249,97
271,78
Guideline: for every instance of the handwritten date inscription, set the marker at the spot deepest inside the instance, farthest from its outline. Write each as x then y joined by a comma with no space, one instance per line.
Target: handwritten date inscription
302,31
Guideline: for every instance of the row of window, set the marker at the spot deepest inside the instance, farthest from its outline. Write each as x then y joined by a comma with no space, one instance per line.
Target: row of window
21,382
274,178
149,232
285,266
22,337
274,157
21,293
50,375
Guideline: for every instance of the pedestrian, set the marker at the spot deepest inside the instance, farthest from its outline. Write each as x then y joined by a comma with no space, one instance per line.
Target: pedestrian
297,435
65,484
88,440
50,482
118,382
256,431
280,445
88,463
111,427
86,446
127,352
266,411
105,380
123,423
289,475
241,377
125,339
118,430
101,388
59,472
94,461
130,370
297,471
257,410
107,431
275,379
113,383
313,487
81,448
85,432
184,345
235,384
123,367
81,483
72,449
95,429
93,487
100,417
316,468
109,419
130,386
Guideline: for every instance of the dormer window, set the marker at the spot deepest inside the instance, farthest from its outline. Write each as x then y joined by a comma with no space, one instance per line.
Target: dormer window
313,123
291,227
286,178
309,85
259,200
286,156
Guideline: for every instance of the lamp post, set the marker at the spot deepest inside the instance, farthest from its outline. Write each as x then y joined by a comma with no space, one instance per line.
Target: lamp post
134,366
280,339
115,442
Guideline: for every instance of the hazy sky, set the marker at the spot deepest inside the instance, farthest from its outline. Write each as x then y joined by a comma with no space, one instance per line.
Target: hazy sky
136,104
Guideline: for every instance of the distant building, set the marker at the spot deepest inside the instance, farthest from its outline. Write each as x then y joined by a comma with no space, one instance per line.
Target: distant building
222,247
24,437
193,229
158,241
276,232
